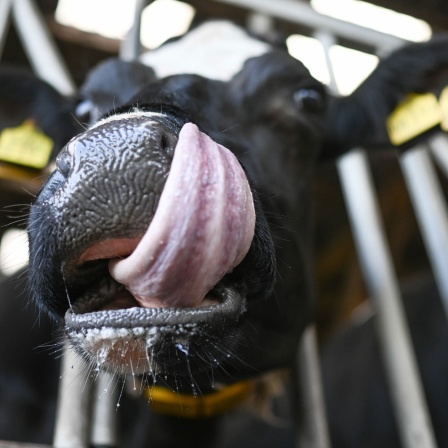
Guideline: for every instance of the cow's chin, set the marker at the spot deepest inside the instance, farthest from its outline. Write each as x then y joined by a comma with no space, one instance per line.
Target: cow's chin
109,328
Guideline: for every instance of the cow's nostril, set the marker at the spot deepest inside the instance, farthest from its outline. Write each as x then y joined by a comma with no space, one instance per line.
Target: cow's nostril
168,143
63,163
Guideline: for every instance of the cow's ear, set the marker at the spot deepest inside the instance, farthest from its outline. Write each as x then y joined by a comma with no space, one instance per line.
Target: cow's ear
35,120
360,119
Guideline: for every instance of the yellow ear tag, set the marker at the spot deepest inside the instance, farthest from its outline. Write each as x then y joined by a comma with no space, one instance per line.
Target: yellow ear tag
412,117
25,145
444,106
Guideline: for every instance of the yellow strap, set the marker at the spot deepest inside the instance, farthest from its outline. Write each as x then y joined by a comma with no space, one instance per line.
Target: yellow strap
415,115
25,145
166,401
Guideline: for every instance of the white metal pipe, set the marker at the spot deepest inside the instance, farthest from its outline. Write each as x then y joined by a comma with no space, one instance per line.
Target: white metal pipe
313,431
327,40
104,415
130,48
40,47
302,13
407,396
72,428
431,211
439,148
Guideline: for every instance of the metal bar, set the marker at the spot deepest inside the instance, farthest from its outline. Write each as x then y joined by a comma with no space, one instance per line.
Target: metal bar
40,47
104,431
72,427
5,19
407,396
313,431
302,13
439,148
130,48
414,424
431,212
327,40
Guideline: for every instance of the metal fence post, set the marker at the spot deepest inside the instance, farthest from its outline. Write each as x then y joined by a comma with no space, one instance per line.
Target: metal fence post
438,144
313,429
72,429
40,47
431,211
104,431
401,370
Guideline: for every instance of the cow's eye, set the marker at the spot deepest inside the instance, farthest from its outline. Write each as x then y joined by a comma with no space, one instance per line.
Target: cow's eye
310,100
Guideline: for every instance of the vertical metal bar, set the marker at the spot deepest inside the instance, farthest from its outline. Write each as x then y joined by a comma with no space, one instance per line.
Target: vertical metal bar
313,432
412,415
407,396
439,148
431,211
104,415
5,18
327,41
130,48
40,47
72,427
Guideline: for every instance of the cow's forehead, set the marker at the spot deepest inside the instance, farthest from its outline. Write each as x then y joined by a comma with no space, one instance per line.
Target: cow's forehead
215,50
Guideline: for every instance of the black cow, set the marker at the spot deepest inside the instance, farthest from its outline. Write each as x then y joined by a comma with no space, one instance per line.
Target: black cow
254,140
229,236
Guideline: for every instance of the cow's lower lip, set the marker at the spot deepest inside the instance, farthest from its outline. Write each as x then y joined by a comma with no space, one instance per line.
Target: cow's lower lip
224,303
141,340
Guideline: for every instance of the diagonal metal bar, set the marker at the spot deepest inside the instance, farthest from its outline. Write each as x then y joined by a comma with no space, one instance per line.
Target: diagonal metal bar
438,145
401,369
431,211
40,47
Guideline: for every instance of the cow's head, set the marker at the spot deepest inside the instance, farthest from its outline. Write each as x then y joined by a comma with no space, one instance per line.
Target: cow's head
173,236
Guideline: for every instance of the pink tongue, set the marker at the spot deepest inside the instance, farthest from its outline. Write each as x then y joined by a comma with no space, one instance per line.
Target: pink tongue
202,228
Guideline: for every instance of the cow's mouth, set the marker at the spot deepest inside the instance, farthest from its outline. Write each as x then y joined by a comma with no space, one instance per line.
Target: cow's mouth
174,283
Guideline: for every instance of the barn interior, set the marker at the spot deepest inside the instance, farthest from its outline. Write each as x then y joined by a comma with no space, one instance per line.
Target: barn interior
84,43
83,40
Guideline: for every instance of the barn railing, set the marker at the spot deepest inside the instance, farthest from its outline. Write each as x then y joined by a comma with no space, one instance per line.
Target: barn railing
96,422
